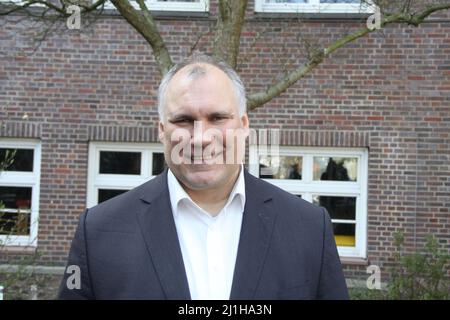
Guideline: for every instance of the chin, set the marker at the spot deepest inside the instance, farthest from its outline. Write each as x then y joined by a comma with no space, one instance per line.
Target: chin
202,178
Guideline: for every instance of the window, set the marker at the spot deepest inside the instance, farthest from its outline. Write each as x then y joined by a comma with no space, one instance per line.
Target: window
332,178
313,6
115,168
19,192
154,5
171,5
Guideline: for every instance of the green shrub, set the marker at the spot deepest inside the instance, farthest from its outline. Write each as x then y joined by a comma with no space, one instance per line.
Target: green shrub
366,294
419,275
414,276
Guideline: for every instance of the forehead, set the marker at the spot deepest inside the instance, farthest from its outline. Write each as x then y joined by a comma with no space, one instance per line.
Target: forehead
202,88
199,73
196,70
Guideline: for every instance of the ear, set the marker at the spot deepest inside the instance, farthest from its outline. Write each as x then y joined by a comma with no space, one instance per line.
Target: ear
245,124
161,132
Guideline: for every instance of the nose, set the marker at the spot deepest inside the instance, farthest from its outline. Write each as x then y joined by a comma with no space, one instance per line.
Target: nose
199,140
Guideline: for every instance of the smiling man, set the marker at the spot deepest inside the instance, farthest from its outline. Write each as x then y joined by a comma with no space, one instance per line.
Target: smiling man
204,228
202,97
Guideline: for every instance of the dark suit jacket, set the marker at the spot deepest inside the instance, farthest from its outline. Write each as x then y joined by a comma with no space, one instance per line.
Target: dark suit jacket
127,248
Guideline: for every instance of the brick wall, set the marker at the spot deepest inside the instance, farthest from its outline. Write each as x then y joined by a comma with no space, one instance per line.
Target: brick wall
388,92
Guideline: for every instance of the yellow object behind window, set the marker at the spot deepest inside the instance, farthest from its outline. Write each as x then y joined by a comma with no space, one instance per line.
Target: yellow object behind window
345,241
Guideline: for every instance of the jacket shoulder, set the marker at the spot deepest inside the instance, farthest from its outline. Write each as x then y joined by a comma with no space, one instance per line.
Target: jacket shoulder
119,210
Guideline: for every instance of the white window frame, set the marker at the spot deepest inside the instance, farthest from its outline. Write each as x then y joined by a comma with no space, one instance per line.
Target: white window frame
154,5
24,179
98,180
314,6
307,187
21,3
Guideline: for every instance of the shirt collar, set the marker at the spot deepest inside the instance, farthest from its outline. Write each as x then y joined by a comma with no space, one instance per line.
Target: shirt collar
177,192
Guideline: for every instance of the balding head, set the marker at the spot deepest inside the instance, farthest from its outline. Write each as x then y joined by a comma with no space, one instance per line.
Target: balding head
197,66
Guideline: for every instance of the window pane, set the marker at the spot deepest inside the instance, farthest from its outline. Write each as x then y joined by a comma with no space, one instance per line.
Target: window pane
283,167
340,1
344,234
16,197
159,163
105,194
335,169
306,1
338,207
286,1
178,1
16,159
115,162
15,222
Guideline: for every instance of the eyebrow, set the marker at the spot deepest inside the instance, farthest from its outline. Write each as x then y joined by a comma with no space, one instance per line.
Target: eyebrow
182,116
179,117
223,114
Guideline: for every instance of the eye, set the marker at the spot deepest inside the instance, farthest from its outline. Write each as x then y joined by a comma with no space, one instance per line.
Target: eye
218,118
182,121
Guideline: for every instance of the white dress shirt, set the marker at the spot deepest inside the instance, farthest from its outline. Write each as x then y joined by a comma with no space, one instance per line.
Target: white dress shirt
208,244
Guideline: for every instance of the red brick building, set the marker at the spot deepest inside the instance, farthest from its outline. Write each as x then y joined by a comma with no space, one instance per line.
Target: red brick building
368,131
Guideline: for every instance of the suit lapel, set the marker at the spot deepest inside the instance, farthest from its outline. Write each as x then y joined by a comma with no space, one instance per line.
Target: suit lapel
160,235
256,231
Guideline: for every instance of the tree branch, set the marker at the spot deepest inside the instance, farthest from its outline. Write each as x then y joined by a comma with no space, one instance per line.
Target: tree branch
258,99
28,4
228,30
46,15
142,20
144,23
60,10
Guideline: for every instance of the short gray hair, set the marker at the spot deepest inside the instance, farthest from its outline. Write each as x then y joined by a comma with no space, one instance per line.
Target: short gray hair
198,58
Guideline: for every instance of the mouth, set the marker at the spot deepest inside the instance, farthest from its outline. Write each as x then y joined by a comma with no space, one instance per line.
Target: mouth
208,160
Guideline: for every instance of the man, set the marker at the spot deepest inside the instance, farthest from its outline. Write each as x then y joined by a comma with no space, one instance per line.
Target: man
205,228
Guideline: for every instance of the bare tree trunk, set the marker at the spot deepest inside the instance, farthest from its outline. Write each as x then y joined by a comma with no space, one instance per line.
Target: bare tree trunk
144,23
228,30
